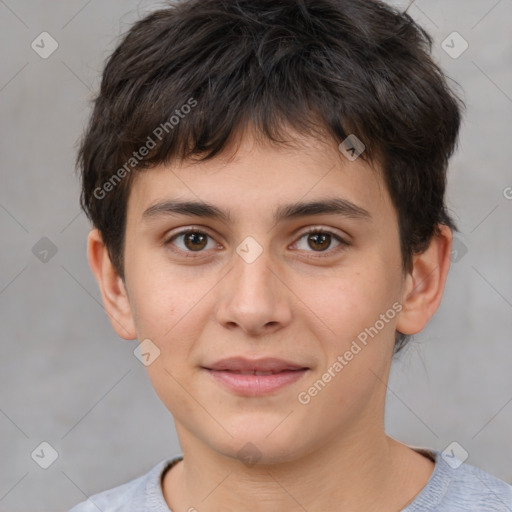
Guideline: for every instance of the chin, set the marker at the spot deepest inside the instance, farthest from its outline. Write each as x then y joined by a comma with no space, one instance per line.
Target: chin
260,452
261,443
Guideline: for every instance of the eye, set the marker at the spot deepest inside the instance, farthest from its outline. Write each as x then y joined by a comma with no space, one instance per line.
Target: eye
320,241
192,240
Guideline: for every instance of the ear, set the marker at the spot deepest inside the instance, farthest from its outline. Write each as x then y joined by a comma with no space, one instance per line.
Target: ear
424,284
112,287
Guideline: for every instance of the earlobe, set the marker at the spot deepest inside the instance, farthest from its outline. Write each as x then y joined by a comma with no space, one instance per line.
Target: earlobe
112,288
424,284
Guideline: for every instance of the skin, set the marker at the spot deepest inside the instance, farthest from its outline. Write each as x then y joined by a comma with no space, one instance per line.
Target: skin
332,453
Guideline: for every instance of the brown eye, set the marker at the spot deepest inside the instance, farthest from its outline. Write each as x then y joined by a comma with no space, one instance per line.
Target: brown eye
195,241
191,241
321,241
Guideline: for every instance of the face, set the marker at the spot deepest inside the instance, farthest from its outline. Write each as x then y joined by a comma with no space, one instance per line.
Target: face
306,297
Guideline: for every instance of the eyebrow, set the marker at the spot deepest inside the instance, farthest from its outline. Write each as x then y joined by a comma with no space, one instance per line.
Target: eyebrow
329,206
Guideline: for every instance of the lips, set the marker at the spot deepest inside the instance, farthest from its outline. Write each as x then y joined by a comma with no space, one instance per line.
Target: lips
255,377
266,366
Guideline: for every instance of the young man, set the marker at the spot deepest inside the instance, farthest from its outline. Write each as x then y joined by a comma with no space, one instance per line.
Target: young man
266,182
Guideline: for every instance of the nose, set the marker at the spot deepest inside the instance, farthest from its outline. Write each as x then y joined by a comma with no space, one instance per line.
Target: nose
254,296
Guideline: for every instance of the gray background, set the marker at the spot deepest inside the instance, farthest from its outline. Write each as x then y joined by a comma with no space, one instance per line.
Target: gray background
65,376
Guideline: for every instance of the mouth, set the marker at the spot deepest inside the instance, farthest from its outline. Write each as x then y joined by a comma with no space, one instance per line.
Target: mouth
247,377
254,372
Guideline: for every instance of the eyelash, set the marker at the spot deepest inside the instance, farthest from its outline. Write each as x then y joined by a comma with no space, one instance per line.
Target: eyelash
318,254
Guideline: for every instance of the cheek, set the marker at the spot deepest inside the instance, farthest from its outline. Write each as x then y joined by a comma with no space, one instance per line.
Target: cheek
357,345
163,297
343,303
172,309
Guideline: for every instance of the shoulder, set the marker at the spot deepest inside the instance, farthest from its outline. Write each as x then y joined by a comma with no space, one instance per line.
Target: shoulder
143,494
458,487
472,489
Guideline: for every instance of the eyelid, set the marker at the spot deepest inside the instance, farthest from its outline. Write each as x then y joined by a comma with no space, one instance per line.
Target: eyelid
343,242
321,229
190,229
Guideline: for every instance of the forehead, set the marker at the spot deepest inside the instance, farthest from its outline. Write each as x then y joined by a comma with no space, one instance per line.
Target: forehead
254,178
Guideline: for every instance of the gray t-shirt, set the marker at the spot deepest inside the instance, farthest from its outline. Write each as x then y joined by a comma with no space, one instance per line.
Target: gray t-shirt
452,487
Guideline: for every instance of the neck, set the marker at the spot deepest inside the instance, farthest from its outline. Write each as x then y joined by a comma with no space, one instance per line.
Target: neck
361,471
